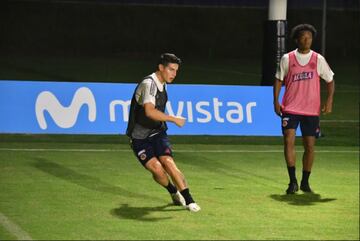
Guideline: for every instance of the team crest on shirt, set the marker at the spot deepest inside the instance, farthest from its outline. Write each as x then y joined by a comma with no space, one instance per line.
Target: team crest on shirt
285,121
302,76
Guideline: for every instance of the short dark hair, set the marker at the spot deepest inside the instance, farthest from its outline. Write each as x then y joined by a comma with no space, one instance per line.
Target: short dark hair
295,32
168,58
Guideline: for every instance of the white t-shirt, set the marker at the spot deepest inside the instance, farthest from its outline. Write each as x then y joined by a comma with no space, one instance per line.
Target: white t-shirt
323,68
147,90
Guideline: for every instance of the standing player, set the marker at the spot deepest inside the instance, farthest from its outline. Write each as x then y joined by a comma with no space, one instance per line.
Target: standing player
147,131
301,71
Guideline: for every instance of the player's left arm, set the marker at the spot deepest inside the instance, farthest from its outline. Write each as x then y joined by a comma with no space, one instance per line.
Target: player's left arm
327,108
326,73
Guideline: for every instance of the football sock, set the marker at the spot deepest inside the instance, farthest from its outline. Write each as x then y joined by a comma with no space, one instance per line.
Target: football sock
187,196
305,176
171,188
292,175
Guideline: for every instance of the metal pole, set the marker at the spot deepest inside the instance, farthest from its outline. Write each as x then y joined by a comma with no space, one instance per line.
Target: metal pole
323,29
274,44
277,10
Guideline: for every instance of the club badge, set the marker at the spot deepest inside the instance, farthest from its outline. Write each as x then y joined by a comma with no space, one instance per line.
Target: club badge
285,121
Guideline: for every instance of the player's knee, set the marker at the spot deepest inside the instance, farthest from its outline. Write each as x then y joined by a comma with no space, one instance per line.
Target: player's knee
171,167
169,164
155,167
309,145
158,172
167,160
309,148
289,140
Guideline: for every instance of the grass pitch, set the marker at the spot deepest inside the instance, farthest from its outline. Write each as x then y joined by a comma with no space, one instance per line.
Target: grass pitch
55,189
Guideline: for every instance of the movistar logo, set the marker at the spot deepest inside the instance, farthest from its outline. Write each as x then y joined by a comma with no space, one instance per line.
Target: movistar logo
64,117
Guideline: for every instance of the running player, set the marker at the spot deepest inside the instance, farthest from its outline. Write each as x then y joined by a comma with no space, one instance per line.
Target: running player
147,131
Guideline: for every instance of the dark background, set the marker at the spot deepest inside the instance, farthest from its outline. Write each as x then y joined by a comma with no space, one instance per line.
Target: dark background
191,29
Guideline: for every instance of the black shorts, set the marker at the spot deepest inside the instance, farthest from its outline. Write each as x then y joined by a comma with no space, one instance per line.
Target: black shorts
155,146
309,125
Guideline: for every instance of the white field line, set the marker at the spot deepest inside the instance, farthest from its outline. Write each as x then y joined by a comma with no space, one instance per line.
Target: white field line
13,228
175,150
343,91
340,121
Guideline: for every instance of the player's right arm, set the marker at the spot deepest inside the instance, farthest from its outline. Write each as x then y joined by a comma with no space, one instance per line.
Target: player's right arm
281,72
276,93
148,93
154,114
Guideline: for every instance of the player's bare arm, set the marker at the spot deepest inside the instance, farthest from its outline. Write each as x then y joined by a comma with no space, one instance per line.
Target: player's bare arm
277,88
327,108
157,115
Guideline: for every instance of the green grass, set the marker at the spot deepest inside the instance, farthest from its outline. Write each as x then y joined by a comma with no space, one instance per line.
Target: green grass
108,195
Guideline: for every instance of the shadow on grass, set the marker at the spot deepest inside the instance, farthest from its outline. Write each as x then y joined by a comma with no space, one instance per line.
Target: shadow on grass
88,182
142,213
211,164
305,199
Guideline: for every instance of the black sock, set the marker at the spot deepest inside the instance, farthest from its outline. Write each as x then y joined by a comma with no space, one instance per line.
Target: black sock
187,196
171,188
305,177
292,175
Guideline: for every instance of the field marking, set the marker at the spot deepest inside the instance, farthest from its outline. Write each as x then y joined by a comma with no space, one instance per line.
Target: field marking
340,121
175,150
343,91
13,228
261,151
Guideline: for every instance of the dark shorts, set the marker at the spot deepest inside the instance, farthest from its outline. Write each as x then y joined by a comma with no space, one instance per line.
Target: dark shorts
155,146
309,125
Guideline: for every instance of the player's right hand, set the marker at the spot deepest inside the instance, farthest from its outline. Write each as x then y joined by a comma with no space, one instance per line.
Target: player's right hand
179,121
277,108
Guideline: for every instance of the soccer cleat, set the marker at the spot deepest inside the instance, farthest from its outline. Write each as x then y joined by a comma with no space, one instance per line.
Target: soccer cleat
305,187
293,187
178,199
193,207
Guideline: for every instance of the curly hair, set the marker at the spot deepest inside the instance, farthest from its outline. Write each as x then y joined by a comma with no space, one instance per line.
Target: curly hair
295,32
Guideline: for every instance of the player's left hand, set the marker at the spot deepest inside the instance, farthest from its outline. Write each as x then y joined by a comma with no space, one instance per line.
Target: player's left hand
327,109
179,121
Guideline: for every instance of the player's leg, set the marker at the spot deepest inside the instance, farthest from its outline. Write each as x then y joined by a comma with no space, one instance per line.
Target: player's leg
157,171
179,180
289,147
309,128
163,151
290,157
144,152
308,160
175,174
309,153
289,125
